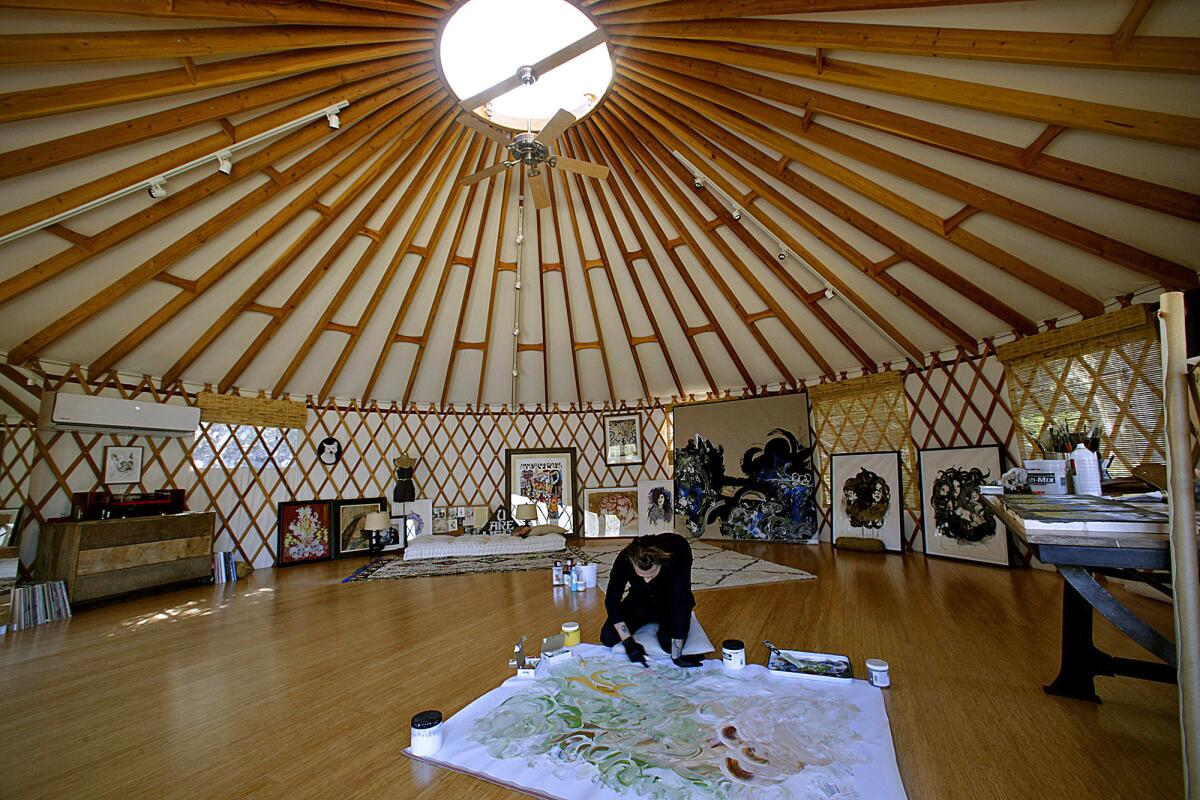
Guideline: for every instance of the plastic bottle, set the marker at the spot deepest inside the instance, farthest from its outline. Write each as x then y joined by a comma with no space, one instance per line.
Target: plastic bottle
556,574
1087,470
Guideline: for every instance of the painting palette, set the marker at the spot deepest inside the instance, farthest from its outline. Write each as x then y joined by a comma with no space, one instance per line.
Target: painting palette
825,666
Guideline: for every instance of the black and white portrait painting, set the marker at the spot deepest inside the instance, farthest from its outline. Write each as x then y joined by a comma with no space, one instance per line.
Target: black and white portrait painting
866,496
957,523
122,465
656,507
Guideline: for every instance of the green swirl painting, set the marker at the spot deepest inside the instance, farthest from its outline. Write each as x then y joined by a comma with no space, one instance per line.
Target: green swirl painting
596,726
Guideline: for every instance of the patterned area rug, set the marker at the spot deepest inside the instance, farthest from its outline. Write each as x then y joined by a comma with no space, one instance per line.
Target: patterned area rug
712,567
382,569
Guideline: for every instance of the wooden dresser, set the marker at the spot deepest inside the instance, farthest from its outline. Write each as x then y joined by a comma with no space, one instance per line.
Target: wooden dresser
114,556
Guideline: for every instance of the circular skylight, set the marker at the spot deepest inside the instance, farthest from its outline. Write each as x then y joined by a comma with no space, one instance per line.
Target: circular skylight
486,41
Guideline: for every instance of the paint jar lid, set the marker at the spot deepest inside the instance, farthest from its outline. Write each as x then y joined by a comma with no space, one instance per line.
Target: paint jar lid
567,627
877,664
733,644
426,719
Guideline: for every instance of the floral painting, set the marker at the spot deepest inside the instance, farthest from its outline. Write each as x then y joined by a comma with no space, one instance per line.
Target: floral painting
610,511
600,727
957,523
866,497
303,532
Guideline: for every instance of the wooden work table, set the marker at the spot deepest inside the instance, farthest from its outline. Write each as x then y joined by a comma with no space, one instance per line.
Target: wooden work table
1083,537
104,558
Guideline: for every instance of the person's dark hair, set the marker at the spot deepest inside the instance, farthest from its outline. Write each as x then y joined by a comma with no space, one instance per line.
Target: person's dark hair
645,556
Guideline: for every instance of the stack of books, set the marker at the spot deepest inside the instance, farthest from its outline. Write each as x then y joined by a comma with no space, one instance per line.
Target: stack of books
38,604
224,569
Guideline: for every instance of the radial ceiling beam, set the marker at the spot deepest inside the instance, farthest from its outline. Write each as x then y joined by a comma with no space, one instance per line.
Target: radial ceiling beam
1124,35
297,12
645,253
555,224
428,8
497,268
716,103
662,164
545,65
58,48
650,105
1069,173
47,101
390,123
1155,53
354,81
619,12
1068,112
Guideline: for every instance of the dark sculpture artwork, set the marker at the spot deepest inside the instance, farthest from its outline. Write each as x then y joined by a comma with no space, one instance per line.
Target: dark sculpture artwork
866,498
775,499
958,510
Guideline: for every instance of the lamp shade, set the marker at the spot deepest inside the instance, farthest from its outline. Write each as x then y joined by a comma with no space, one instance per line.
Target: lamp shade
377,521
526,511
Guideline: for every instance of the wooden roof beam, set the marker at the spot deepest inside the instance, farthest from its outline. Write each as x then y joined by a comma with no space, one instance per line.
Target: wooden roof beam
619,12
644,246
498,266
716,102
259,160
414,282
50,100
1124,36
1068,112
575,149
60,48
417,156
686,139
1029,160
1155,53
349,83
561,268
297,12
633,170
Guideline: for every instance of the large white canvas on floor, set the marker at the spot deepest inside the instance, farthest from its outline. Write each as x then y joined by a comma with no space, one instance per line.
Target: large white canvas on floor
593,726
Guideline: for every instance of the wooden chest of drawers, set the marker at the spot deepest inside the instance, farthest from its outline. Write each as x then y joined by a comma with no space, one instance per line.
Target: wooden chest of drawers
114,556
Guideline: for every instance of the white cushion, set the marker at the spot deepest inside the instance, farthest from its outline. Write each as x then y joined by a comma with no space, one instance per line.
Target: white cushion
697,640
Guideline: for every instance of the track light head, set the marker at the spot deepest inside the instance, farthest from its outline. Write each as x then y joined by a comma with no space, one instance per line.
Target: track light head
157,188
737,214
829,293
333,119
698,182
225,162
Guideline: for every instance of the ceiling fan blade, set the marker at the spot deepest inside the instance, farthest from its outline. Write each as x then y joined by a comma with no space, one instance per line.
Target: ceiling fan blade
561,120
557,59
540,188
476,124
582,167
482,174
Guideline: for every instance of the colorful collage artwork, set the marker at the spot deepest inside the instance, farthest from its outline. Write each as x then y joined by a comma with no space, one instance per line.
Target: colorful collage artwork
596,726
545,478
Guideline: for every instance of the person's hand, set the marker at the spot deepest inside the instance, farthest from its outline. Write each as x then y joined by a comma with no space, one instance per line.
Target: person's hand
636,653
688,662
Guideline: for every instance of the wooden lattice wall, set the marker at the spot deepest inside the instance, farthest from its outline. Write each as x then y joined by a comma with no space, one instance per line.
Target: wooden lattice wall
461,455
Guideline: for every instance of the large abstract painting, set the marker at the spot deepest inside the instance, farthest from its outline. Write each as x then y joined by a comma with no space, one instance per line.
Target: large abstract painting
597,726
867,496
957,523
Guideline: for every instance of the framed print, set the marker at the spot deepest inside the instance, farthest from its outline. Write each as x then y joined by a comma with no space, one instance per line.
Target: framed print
329,451
955,521
415,518
610,511
122,465
10,526
622,439
656,507
350,537
866,497
544,477
303,533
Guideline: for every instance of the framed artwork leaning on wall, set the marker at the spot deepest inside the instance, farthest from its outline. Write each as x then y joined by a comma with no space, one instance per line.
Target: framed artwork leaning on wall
303,533
349,516
955,521
544,477
867,497
610,511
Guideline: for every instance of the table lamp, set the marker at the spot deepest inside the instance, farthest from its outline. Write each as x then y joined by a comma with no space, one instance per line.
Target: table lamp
374,525
526,513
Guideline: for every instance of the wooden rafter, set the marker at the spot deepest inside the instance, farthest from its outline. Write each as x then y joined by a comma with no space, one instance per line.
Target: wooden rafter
566,289
299,12
617,12
1158,53
1065,111
1028,160
1124,36
717,102
497,265
34,103
56,48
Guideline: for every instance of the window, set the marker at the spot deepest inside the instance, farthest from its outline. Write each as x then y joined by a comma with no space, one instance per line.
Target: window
244,445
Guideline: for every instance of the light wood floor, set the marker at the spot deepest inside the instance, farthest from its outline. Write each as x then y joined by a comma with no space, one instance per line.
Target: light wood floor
291,684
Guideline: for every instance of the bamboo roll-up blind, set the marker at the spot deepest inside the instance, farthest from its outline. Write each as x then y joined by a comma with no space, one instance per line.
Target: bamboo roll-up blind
1106,371
864,415
263,412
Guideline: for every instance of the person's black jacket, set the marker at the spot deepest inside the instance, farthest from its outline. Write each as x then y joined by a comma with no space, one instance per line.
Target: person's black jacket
666,599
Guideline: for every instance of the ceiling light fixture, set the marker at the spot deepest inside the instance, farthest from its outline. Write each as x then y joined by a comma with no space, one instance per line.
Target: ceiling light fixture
225,162
156,186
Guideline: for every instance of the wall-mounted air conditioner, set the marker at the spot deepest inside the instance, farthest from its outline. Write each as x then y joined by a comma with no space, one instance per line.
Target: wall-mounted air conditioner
81,412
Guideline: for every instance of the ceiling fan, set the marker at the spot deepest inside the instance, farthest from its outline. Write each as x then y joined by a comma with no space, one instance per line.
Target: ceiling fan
532,150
